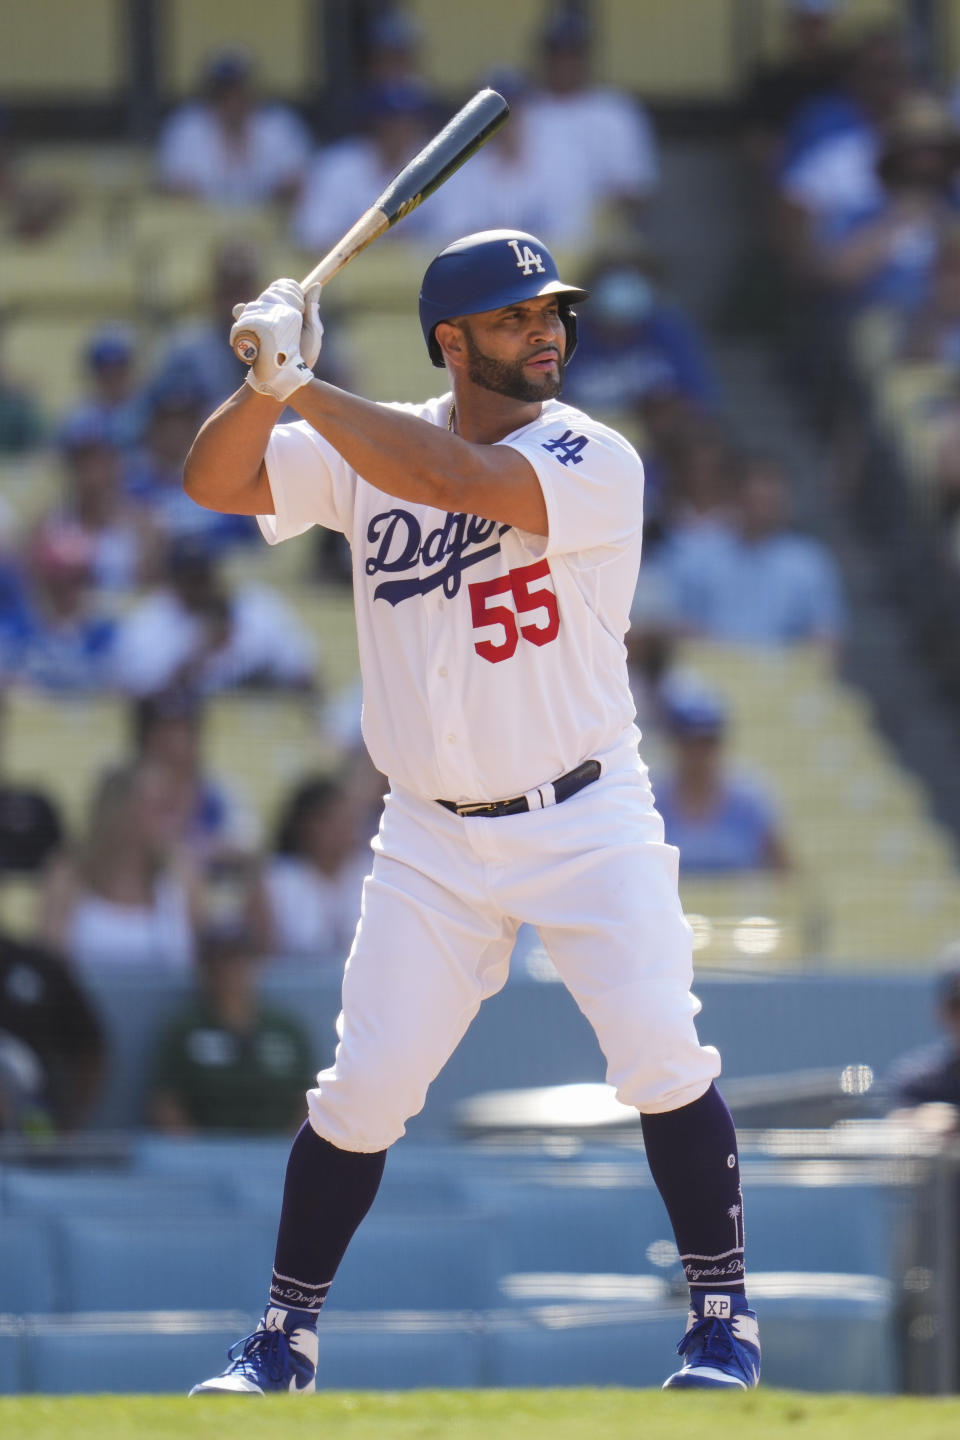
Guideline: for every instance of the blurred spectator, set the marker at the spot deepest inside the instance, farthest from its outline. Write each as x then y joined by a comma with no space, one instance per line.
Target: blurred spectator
393,49
885,253
757,582
931,1074
229,1062
589,142
62,639
31,826
21,424
167,730
29,209
832,142
193,630
312,882
229,147
812,65
932,332
347,176
638,356
720,822
125,542
153,475
699,475
128,893
504,186
113,400
198,355
52,1044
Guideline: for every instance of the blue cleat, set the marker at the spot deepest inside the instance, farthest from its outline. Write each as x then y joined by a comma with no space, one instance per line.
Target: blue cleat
721,1347
274,1358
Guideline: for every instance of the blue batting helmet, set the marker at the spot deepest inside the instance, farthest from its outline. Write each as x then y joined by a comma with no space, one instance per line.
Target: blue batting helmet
486,271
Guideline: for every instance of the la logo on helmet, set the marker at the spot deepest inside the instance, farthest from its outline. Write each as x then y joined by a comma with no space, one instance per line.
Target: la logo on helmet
527,260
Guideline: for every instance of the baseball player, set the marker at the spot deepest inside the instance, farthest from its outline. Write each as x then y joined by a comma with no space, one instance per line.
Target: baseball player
495,535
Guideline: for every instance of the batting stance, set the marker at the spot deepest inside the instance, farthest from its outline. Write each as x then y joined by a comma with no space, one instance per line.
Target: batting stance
495,534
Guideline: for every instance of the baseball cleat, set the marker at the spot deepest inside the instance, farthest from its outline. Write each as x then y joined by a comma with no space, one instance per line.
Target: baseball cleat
271,1359
721,1348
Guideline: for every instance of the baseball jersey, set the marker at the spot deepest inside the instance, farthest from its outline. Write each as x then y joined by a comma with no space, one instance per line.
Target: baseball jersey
492,660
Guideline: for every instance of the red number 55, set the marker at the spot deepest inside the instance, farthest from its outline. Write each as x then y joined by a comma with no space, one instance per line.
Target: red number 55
526,600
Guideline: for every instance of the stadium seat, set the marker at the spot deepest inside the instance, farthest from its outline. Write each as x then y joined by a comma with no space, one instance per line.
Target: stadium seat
173,1263
11,1357
66,1192
405,1351
575,1227
30,1279
613,1344
432,1262
127,1354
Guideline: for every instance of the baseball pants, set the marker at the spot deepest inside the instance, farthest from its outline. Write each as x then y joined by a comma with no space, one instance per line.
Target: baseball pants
440,914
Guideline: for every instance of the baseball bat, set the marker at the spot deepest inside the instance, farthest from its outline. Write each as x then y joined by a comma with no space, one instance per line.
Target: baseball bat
460,138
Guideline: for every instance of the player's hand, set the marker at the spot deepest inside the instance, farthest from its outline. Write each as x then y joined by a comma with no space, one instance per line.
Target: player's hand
311,336
276,318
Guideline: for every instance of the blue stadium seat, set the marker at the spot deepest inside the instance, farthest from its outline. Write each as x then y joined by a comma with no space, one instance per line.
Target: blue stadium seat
826,1227
118,1355
436,1262
170,1264
28,1268
399,1352
32,1192
11,1359
615,1344
587,1228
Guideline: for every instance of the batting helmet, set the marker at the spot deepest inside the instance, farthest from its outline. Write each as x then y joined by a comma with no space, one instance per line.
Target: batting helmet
486,271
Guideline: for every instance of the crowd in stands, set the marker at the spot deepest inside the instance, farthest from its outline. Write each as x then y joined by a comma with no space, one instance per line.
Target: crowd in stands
123,586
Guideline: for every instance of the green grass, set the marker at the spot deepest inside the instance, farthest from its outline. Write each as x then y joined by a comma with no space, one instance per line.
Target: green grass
483,1415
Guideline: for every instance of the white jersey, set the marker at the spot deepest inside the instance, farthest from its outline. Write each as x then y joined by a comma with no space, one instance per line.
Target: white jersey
493,660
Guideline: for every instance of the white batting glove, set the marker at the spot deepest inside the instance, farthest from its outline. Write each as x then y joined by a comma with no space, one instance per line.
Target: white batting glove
311,336
276,318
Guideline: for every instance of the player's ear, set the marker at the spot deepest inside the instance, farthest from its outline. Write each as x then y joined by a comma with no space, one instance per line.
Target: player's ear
449,336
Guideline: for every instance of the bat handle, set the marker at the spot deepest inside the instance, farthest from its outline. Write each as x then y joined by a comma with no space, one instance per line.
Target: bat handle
246,347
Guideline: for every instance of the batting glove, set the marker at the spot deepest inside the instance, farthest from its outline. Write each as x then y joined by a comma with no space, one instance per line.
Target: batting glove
276,318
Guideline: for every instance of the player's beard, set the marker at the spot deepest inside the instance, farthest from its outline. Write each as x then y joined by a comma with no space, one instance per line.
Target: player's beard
506,377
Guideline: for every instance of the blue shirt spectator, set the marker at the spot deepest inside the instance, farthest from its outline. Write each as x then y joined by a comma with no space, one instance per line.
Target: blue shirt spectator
719,822
63,642
755,582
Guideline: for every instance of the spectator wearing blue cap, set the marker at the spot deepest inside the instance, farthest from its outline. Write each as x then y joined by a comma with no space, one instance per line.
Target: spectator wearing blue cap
153,477
720,822
124,539
113,398
228,147
347,176
594,144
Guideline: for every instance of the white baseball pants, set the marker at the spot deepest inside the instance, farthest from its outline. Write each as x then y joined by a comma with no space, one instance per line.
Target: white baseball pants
440,915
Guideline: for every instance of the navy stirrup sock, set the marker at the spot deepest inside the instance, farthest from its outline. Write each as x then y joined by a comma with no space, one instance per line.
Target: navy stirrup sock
326,1194
692,1153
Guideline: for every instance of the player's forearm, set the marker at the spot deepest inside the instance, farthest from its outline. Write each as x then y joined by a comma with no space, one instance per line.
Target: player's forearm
400,454
224,469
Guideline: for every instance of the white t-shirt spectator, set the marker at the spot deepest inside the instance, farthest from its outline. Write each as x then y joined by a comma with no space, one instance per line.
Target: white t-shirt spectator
196,156
314,915
343,181
595,137
267,645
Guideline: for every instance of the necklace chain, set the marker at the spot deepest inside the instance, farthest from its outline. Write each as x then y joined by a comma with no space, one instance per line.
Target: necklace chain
452,415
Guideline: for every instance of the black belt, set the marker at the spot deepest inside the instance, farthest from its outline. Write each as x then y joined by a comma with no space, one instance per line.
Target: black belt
563,788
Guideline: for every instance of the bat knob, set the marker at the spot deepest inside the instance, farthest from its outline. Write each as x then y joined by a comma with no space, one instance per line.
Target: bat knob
246,347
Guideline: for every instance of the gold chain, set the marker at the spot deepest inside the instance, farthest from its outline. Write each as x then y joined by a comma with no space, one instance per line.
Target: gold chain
452,416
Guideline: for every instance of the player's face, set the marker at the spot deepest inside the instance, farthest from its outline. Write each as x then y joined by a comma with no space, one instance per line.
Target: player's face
517,351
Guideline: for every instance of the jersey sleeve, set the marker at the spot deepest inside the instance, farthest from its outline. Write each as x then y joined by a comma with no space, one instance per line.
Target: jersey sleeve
310,482
592,484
